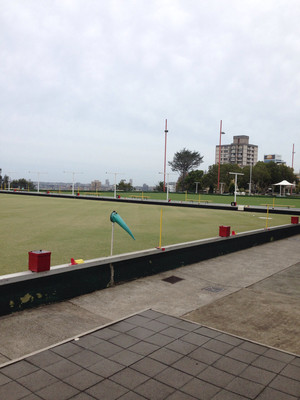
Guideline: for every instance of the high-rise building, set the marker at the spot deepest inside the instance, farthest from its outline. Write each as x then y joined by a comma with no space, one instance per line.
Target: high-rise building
239,152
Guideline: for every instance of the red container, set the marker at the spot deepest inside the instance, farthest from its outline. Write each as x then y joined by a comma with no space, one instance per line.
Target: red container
39,260
294,220
224,231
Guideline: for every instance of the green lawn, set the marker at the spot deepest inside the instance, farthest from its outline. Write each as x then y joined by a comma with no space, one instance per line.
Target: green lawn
82,229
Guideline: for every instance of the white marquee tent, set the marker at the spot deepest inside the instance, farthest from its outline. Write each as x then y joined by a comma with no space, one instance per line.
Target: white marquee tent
283,183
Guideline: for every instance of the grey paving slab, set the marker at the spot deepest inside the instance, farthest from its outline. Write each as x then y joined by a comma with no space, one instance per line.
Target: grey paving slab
92,367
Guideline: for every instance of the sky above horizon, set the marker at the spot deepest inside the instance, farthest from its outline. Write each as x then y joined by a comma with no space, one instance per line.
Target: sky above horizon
86,85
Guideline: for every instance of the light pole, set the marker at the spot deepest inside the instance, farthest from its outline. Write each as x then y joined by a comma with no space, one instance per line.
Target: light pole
235,182
168,174
73,178
221,133
38,177
196,187
165,158
115,184
8,180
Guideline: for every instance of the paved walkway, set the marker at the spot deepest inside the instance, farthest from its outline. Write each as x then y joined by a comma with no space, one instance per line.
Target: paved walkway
155,354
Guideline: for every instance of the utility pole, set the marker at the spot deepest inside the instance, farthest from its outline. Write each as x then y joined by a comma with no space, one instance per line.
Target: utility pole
73,178
115,184
38,177
165,158
219,167
293,152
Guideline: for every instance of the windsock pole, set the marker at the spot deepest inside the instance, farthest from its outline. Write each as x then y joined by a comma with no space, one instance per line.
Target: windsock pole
112,238
160,229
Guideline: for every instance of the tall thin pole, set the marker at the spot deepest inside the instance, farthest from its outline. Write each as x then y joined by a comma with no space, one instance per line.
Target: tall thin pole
219,156
293,152
112,238
165,159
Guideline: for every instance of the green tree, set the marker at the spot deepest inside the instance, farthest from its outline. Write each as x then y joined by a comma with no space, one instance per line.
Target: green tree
210,179
184,161
22,184
261,176
125,187
159,187
191,178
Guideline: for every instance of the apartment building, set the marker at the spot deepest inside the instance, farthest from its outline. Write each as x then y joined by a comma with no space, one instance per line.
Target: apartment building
239,152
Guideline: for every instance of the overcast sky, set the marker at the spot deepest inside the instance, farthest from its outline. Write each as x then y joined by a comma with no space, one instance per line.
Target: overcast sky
86,86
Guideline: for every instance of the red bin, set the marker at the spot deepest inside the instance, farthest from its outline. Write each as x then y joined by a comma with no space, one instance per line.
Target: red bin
39,260
224,231
294,220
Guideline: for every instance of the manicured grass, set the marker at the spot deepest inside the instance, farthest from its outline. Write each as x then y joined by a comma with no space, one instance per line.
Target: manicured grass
82,229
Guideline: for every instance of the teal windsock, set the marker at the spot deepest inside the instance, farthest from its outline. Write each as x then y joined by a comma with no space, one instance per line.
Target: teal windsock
115,217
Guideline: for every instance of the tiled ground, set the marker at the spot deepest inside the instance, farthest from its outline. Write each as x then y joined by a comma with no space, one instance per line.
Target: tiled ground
154,356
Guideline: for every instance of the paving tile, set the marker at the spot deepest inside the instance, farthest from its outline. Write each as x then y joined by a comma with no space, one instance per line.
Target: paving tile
186,325
62,369
106,390
129,378
44,358
83,379
57,391
181,347
155,326
291,371
37,380
126,357
195,338
85,358
216,376
211,333
166,356
286,385
173,377
269,364
230,365
105,333
82,396
67,349
272,394
225,395
149,367
4,379
168,320
200,389
279,355
159,339
244,387
31,396
257,375
253,347
140,332
106,349
131,396
122,326
296,361
234,341
144,348
189,365
180,396
18,369
151,314
106,368
13,391
217,346
88,341
124,340
204,355
174,332
138,320
154,390
242,355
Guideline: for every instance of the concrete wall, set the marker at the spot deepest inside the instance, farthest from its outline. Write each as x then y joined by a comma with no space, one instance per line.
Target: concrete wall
29,289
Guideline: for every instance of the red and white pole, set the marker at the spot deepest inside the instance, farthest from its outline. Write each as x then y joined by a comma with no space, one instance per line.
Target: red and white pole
219,156
165,160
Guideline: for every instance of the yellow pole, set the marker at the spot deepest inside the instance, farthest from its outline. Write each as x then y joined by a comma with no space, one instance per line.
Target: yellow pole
160,228
267,216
